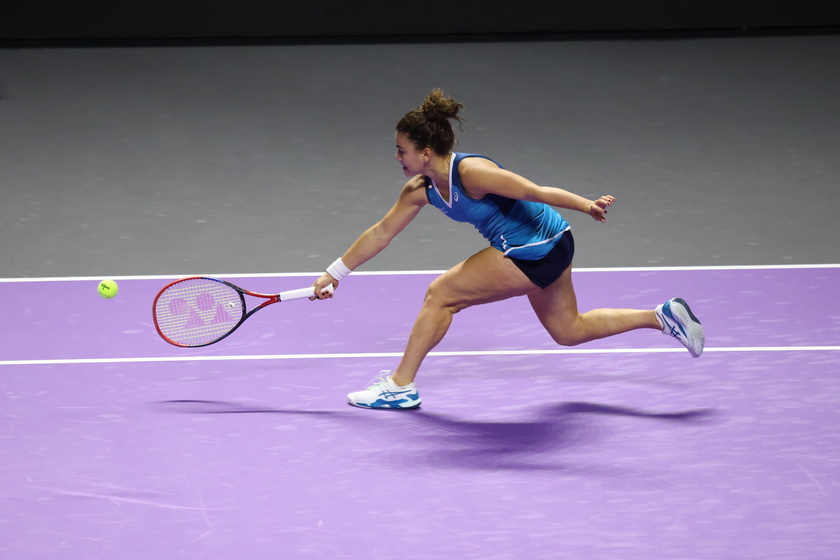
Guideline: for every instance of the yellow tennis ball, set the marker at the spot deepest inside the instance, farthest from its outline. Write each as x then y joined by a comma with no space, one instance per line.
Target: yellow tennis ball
108,289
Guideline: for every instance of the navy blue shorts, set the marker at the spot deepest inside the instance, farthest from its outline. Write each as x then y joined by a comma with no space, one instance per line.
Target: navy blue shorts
545,271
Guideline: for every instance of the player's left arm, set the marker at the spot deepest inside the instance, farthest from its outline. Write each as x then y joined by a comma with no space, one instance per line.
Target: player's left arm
481,177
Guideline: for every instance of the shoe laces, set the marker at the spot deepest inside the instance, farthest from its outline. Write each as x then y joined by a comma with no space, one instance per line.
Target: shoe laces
377,382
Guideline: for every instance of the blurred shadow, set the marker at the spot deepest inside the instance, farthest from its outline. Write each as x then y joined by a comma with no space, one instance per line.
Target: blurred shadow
192,406
523,445
443,441
226,407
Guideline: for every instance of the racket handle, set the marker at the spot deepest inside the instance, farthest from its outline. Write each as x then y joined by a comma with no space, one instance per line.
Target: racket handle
302,293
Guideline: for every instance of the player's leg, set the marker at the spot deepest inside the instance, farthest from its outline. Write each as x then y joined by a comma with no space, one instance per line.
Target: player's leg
556,308
483,278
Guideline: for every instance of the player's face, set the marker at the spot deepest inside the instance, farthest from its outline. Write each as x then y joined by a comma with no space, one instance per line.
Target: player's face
411,159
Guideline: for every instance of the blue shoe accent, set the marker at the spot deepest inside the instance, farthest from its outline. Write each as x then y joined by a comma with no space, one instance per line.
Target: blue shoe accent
384,393
673,324
678,321
406,403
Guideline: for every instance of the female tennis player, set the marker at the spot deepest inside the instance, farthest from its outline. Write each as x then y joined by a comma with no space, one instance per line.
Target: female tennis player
530,252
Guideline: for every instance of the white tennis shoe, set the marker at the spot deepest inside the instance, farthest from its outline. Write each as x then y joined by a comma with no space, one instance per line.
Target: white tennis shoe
384,393
677,320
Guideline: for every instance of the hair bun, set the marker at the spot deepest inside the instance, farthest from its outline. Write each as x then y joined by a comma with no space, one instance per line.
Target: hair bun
428,125
438,107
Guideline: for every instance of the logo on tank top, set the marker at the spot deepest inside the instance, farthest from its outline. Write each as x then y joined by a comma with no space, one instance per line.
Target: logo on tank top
455,197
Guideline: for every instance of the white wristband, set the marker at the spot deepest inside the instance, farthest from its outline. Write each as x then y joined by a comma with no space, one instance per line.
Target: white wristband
338,270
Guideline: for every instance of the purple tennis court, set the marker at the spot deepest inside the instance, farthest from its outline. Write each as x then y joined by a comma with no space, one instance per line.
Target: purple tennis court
117,445
147,163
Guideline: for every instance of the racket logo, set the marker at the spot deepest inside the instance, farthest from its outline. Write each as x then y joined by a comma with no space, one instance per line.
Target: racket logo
202,311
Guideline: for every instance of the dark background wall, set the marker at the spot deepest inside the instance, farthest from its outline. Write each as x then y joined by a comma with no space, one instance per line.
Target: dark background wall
284,19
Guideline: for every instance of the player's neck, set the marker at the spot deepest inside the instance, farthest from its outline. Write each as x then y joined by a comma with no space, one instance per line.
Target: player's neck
438,170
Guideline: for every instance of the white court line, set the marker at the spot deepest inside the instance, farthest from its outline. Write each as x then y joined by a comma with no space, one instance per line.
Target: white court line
414,272
399,354
157,359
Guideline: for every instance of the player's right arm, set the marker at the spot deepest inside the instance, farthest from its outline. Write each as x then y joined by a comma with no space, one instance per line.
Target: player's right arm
370,243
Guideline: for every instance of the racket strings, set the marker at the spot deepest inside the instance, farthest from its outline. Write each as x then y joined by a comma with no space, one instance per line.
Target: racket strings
198,311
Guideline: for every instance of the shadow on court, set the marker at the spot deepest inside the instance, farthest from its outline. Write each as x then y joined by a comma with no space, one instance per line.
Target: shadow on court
529,444
441,441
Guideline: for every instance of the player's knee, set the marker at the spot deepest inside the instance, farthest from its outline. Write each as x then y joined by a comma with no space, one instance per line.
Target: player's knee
568,334
438,296
567,339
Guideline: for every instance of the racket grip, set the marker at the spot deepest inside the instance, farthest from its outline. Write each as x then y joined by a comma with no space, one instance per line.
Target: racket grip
301,293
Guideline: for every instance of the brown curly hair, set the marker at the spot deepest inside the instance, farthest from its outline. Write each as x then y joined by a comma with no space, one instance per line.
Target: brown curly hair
428,126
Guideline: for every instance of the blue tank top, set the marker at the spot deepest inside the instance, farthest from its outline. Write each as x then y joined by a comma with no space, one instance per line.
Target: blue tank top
519,228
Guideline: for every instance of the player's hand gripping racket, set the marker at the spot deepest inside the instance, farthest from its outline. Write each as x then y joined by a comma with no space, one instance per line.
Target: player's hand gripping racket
198,311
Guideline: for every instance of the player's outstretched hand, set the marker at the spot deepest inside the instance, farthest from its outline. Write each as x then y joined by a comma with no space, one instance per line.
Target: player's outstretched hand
598,209
320,287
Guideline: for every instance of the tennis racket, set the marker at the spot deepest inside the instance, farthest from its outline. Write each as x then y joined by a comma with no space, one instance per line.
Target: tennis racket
199,311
